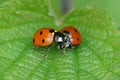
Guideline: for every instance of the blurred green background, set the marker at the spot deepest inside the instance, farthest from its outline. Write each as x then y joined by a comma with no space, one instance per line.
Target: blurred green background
112,7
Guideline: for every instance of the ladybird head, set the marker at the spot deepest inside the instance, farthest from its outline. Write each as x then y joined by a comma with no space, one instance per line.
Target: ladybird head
59,37
62,39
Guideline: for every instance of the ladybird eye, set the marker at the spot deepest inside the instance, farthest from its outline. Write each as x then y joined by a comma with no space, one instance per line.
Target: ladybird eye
33,40
78,39
75,30
51,30
41,32
43,40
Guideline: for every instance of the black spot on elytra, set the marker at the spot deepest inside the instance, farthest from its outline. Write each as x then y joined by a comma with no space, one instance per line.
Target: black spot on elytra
51,30
33,40
43,40
41,32
75,30
66,31
78,39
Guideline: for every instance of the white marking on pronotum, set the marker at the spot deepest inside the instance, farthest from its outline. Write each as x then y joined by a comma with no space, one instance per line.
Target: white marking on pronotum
60,39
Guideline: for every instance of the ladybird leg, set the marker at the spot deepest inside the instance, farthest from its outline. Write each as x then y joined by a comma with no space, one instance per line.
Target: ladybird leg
46,52
71,46
64,50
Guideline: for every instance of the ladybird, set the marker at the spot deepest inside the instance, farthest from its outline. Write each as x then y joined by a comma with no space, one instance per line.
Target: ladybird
68,37
44,37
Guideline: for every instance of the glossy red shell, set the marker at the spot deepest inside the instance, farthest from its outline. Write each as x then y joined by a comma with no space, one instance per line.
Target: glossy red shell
43,37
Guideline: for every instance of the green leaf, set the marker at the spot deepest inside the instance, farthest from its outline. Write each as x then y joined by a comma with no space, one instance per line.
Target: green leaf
97,58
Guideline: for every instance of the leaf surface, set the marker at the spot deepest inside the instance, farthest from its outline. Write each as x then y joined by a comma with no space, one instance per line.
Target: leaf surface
96,58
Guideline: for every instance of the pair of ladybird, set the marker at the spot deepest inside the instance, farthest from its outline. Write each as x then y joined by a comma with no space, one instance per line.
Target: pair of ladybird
68,37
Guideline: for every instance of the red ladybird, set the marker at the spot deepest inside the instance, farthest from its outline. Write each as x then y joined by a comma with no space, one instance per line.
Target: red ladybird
44,37
68,37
